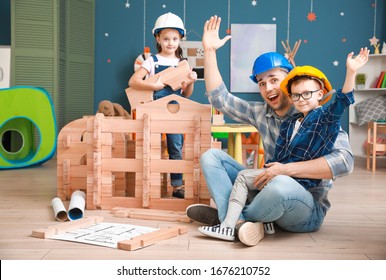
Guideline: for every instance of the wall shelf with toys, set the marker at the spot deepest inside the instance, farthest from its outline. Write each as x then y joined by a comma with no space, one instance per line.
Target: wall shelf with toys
357,128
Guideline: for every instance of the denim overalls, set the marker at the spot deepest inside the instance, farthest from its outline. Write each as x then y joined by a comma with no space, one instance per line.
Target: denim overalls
174,141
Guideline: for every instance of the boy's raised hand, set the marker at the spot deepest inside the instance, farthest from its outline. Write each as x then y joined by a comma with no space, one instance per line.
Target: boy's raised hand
210,38
353,64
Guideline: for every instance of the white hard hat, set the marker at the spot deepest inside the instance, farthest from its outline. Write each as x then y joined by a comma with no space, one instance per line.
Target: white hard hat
169,20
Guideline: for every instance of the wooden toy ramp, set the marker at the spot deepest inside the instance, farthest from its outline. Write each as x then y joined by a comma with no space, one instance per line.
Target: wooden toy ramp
92,230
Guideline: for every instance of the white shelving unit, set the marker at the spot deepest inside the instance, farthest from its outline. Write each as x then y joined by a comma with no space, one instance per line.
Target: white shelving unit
357,133
5,66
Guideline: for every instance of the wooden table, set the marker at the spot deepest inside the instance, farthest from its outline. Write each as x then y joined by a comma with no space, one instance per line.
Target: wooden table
234,139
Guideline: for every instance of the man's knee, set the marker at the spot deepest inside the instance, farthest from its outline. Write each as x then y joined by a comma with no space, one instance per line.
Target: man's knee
282,185
209,155
210,152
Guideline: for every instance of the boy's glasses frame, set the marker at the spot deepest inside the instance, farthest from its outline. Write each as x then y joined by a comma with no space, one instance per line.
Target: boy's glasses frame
305,95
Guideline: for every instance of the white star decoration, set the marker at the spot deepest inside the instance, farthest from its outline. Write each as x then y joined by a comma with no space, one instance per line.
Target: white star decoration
373,41
336,63
127,5
254,2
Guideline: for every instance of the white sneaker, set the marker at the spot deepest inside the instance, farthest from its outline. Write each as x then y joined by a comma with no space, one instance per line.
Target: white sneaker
250,233
269,228
218,232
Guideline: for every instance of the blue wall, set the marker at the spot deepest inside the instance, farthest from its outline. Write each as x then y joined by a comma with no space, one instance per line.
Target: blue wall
5,22
119,34
331,37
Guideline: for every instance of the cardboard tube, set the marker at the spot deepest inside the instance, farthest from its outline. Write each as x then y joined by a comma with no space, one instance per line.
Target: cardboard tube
59,210
77,204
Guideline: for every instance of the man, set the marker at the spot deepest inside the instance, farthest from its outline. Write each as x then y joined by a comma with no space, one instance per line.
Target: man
291,207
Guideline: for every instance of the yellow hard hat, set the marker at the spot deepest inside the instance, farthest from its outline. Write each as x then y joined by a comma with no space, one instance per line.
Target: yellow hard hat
313,73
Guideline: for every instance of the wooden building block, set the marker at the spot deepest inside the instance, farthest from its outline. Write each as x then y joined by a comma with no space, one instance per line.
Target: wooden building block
150,214
59,228
151,238
172,76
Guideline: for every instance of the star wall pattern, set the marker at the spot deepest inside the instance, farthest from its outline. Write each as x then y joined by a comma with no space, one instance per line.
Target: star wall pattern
325,42
311,17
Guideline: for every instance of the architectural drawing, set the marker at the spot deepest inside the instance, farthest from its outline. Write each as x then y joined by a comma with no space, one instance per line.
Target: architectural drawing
104,234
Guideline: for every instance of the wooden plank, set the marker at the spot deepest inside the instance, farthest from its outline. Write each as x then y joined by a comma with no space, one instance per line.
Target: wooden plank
187,109
150,214
62,227
174,166
151,238
76,158
172,76
146,161
122,164
130,202
196,158
122,125
97,160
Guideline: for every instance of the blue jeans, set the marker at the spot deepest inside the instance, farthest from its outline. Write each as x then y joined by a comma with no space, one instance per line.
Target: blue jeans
175,143
283,200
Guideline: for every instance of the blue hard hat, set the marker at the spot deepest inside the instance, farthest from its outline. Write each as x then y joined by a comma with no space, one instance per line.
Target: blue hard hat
269,61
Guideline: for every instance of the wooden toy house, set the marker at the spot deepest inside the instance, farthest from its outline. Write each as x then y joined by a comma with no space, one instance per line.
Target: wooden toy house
132,173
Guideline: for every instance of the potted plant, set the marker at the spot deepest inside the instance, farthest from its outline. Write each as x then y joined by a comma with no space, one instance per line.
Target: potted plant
360,80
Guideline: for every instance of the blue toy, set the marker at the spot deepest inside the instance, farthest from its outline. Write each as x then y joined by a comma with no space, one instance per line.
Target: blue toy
28,131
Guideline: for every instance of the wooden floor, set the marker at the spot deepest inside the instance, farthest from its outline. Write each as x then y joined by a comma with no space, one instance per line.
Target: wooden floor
354,229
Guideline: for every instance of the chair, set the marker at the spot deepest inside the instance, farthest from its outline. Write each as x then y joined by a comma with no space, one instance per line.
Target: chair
375,145
248,149
255,147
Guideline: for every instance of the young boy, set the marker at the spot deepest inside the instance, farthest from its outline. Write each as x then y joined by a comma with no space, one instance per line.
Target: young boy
307,135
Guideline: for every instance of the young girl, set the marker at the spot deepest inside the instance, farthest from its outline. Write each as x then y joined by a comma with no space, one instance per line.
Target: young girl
168,32
307,135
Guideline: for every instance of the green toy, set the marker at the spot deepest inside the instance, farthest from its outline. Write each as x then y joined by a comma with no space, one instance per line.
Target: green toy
28,131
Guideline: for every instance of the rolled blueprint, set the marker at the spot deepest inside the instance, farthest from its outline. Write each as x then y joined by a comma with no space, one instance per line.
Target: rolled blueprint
77,204
59,210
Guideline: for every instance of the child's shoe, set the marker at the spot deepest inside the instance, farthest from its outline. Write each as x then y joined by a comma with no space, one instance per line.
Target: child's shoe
179,193
218,232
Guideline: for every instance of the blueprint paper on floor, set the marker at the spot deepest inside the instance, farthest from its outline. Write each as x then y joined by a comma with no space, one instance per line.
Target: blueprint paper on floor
104,234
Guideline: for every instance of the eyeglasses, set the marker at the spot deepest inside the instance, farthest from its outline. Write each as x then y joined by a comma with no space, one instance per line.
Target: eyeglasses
305,95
